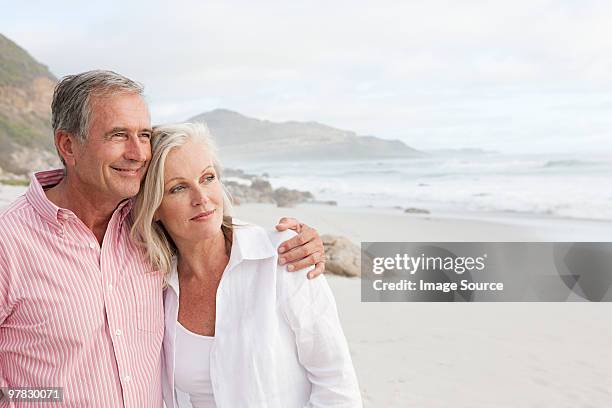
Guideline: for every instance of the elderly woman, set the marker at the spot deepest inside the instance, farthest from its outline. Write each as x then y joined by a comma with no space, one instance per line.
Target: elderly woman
240,330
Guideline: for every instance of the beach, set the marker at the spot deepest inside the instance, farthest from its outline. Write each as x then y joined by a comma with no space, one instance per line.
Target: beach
511,355
388,224
465,354
461,354
405,122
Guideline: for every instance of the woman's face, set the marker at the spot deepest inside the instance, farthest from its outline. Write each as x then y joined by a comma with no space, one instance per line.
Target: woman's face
192,207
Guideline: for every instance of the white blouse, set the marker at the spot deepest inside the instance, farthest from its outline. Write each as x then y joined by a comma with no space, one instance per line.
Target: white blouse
278,340
192,374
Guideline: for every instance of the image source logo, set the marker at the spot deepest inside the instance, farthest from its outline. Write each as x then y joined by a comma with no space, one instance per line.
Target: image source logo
477,271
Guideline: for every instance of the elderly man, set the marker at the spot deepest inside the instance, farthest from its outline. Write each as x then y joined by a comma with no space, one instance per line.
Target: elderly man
79,308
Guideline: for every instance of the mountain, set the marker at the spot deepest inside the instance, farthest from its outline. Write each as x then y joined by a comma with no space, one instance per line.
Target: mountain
242,138
464,151
26,90
26,140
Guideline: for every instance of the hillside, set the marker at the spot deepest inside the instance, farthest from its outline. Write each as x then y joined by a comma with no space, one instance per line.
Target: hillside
26,89
245,138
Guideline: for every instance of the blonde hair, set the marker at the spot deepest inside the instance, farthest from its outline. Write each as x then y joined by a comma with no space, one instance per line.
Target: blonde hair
150,235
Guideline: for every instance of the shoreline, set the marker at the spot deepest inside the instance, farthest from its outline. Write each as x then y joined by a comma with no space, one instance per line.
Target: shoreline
389,224
392,224
368,223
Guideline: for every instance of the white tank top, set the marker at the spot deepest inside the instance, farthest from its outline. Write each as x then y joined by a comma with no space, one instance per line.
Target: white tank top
192,369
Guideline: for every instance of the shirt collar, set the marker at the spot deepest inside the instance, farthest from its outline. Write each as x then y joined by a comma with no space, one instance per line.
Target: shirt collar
125,207
50,212
37,198
249,242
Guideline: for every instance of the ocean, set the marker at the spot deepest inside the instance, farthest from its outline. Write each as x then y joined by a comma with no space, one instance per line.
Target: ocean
567,186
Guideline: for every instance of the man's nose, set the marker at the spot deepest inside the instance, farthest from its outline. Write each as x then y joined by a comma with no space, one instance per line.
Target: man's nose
136,149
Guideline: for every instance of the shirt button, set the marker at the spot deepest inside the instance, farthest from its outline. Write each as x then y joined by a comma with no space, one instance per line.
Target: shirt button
110,287
92,245
127,378
118,332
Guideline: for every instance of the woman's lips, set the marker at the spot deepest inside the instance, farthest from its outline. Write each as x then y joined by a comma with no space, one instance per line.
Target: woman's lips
203,216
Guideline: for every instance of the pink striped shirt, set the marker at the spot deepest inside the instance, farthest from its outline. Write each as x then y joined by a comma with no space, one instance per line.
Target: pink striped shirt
74,314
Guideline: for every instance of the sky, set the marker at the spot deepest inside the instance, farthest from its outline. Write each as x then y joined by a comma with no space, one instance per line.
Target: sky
520,77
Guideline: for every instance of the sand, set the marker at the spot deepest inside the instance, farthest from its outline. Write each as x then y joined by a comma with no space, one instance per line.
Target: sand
478,354
462,354
368,224
466,354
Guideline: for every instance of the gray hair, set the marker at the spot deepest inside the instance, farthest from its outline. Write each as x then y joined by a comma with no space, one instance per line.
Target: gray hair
71,107
150,235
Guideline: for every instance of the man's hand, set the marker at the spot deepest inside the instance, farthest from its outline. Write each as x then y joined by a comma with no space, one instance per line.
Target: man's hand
303,250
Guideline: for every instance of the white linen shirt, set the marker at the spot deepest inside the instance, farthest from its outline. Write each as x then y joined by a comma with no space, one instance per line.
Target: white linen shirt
278,339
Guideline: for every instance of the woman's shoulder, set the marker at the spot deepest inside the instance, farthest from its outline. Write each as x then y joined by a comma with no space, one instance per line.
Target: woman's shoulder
278,237
288,283
254,231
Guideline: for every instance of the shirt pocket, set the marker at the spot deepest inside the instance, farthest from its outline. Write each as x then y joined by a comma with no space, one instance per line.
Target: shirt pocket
148,296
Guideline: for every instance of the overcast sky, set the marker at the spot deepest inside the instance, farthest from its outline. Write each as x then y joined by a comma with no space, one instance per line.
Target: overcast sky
520,76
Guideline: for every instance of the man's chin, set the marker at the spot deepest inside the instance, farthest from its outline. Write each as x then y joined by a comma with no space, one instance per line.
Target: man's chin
127,190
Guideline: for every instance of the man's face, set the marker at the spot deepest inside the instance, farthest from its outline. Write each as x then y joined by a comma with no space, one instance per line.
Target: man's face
113,160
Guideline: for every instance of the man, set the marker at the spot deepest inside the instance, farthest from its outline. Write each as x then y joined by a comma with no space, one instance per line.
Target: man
79,307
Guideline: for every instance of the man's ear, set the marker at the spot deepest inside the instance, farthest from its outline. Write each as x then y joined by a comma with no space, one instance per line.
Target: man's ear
65,143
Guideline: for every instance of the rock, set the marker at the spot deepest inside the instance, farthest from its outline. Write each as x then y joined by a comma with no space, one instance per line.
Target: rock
15,181
325,202
413,210
285,197
261,191
238,173
342,256
242,193
263,186
24,160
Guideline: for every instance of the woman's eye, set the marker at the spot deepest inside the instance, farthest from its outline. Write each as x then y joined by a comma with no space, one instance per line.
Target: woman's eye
176,189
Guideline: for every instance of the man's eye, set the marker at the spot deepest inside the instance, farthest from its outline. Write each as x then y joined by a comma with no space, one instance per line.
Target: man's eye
146,135
120,134
210,178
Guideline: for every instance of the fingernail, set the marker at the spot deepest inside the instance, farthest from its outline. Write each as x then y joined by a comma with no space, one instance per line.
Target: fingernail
283,260
290,267
309,275
281,250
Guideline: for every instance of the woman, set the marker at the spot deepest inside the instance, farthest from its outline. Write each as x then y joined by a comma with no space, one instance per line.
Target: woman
240,330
